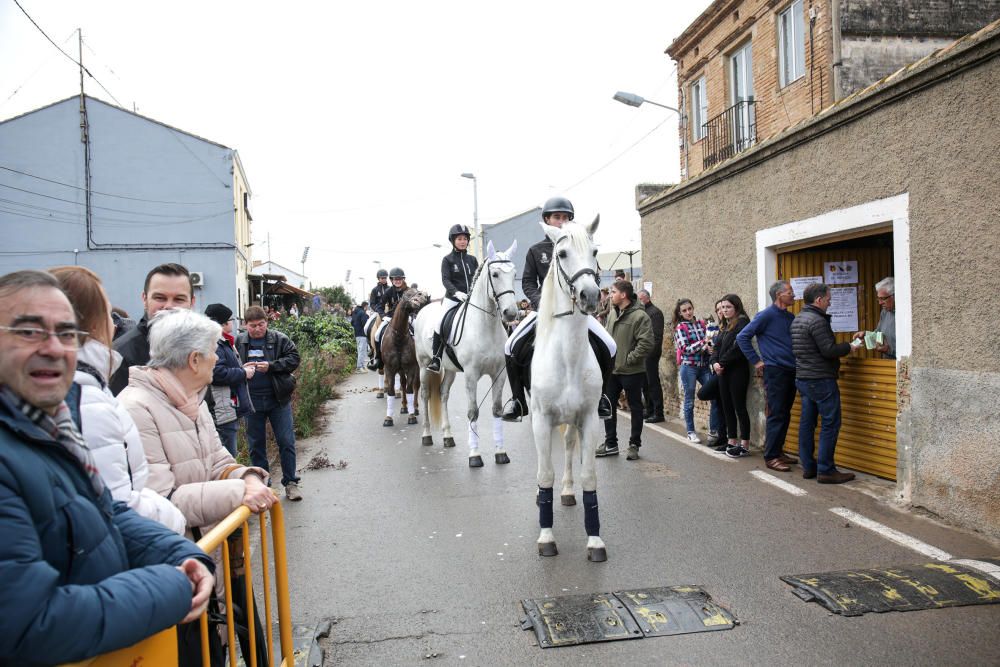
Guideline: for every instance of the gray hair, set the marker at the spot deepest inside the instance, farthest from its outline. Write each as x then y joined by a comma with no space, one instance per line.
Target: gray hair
642,291
27,279
888,284
175,334
778,287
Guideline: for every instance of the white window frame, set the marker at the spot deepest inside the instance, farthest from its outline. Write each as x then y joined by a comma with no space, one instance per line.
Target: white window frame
699,109
791,44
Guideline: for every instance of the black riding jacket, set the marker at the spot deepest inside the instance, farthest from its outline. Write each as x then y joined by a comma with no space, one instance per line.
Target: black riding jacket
458,268
536,267
376,299
392,298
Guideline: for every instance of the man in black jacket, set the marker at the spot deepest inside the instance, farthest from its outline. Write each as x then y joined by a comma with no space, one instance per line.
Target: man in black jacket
167,286
274,358
817,364
458,268
654,390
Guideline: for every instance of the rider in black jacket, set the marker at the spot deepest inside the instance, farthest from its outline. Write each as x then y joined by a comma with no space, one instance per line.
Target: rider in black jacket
379,292
390,299
458,269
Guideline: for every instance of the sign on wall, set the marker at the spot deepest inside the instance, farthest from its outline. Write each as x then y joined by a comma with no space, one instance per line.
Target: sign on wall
840,273
799,285
843,310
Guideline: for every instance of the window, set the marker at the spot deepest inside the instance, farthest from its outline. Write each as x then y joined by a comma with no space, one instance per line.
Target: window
699,109
791,44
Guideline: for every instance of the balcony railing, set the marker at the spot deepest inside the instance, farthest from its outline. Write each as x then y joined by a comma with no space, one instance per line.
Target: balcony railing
731,132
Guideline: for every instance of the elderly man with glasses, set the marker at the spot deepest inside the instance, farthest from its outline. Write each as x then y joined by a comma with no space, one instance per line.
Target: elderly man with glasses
885,291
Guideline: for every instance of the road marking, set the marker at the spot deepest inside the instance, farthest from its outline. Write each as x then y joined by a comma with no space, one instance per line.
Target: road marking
780,483
682,439
986,568
892,535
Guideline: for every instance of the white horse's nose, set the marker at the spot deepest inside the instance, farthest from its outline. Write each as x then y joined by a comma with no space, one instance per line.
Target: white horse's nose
590,298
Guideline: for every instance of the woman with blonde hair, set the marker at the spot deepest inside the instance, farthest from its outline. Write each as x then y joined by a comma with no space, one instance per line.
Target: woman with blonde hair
108,429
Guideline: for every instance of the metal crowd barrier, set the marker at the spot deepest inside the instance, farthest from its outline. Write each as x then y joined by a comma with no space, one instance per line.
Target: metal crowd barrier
161,648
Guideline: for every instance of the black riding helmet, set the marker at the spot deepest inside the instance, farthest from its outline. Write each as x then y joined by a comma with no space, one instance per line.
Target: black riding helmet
557,205
397,273
382,273
458,230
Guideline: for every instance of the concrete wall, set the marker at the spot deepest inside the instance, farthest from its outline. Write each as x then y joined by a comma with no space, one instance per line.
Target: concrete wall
180,191
916,18
933,136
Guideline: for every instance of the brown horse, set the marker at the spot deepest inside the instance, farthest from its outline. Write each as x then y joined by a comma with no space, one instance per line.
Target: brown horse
399,355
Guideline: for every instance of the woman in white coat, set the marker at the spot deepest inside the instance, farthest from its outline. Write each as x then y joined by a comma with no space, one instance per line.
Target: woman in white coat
108,428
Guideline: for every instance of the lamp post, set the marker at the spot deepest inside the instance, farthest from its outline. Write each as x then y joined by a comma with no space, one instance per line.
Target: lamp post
475,213
305,255
634,100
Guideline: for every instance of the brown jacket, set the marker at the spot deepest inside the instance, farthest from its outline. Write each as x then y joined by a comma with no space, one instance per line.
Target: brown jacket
187,462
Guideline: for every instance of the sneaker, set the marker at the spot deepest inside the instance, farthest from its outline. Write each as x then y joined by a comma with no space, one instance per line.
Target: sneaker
292,492
737,451
693,437
633,453
607,449
713,438
721,448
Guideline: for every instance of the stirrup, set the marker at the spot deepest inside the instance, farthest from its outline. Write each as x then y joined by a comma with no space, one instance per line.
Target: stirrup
372,365
604,407
513,412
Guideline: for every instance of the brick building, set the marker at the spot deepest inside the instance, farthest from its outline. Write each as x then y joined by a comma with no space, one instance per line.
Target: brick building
748,69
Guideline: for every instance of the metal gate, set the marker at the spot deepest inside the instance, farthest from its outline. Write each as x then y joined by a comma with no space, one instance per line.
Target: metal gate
867,440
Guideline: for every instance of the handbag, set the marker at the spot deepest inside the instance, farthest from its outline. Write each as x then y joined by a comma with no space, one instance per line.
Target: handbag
710,390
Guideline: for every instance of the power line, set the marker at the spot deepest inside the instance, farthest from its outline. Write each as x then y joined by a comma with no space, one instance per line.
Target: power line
103,208
44,213
617,157
106,194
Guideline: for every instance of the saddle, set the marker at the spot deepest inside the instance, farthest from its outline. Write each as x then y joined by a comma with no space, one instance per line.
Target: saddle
446,324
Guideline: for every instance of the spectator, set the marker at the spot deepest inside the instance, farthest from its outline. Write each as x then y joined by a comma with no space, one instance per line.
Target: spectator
166,286
275,358
603,307
123,322
776,363
654,391
718,439
817,364
620,275
733,371
692,360
83,574
108,429
230,399
294,311
629,325
358,320
885,290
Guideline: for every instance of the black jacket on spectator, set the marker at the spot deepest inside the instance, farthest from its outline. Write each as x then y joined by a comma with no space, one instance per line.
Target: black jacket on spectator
282,357
358,319
536,267
457,271
725,351
817,353
656,319
133,345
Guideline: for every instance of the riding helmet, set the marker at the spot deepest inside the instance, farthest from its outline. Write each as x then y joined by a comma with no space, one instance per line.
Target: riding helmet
397,273
458,230
557,205
382,273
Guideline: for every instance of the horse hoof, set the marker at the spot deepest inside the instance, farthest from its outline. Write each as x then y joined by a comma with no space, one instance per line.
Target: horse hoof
427,440
403,410
387,421
449,442
412,419
501,457
476,461
547,549
568,501
381,394
597,554
416,412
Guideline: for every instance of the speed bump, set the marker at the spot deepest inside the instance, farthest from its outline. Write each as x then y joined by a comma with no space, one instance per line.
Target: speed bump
905,588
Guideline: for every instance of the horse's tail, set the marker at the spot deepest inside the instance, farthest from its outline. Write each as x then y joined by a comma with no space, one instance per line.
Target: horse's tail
434,398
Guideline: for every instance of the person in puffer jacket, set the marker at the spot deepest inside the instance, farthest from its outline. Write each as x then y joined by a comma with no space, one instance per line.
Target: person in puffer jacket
228,396
107,428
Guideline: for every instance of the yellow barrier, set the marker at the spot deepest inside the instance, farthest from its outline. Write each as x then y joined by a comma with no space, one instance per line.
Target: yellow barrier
161,648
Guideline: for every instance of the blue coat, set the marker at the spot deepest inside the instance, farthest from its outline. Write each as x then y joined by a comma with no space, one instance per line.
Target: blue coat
229,373
82,575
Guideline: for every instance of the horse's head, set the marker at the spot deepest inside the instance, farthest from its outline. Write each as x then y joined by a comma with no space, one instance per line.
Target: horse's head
575,258
413,300
500,273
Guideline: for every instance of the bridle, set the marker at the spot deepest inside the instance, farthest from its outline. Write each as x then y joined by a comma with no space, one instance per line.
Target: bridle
570,282
490,287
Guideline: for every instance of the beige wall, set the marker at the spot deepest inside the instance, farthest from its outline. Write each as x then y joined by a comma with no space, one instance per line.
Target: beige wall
242,222
932,135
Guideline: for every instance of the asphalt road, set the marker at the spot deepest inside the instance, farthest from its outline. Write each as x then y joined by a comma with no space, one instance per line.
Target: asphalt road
419,559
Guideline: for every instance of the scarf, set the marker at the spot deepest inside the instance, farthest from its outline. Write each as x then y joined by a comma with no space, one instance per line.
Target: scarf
61,428
189,404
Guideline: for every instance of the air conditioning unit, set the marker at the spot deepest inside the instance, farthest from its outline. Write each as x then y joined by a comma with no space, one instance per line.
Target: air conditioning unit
197,278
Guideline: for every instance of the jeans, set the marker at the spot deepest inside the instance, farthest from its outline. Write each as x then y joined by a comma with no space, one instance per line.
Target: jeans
819,398
654,390
362,351
227,434
632,385
690,375
280,416
779,388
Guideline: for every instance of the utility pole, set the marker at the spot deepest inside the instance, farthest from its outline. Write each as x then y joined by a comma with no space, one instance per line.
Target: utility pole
630,253
85,139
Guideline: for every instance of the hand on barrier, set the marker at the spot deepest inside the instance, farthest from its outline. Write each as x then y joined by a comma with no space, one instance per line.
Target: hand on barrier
202,583
257,496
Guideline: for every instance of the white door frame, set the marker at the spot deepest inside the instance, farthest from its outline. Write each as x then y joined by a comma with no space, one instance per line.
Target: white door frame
833,223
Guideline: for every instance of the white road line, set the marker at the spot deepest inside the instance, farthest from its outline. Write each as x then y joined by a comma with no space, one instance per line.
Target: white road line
986,568
892,535
780,483
682,439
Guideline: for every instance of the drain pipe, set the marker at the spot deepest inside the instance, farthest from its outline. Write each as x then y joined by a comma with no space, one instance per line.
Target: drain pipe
837,61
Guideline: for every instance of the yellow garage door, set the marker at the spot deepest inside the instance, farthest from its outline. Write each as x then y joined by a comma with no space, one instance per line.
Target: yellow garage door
867,440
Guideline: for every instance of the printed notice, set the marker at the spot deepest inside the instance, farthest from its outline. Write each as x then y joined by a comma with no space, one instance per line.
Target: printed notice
799,285
648,286
843,309
840,273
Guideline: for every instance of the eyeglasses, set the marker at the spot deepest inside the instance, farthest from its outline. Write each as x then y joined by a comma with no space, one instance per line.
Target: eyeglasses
68,338
884,298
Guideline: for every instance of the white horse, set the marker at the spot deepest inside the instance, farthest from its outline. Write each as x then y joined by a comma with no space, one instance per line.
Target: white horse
566,380
477,336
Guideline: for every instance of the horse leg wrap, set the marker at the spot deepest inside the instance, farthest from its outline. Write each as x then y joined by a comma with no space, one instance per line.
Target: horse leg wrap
397,383
498,432
390,406
545,507
410,403
591,519
381,382
473,435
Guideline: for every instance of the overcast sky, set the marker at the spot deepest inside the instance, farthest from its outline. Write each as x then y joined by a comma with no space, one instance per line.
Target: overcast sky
355,120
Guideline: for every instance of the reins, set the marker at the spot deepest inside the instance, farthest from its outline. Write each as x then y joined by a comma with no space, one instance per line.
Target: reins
459,322
571,284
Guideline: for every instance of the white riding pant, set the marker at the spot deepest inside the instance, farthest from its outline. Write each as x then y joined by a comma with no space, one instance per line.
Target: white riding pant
370,323
528,324
381,332
448,304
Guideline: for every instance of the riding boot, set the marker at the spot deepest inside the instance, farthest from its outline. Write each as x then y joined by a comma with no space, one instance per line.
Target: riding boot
435,365
607,364
517,406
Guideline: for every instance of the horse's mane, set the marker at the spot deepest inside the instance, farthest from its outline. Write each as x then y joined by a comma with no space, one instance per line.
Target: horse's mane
579,241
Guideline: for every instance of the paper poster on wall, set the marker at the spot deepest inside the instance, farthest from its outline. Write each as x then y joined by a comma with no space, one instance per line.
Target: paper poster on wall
840,273
843,309
648,286
800,284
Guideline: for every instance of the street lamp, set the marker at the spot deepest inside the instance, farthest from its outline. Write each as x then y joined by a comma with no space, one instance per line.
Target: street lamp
634,100
475,213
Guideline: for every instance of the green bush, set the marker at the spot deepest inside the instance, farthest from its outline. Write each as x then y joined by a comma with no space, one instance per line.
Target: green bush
321,330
